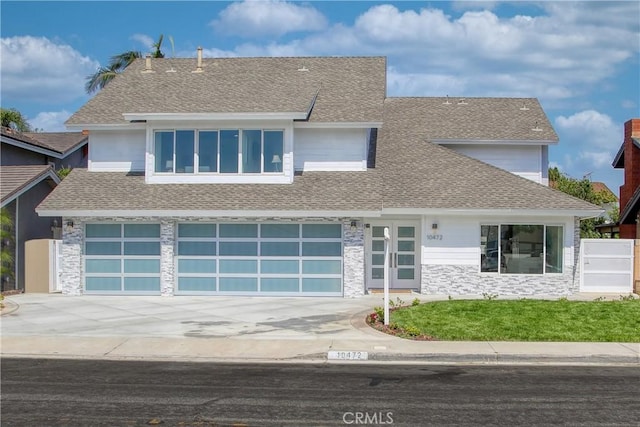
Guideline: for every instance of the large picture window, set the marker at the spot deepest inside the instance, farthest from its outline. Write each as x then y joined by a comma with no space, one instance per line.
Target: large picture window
225,151
521,248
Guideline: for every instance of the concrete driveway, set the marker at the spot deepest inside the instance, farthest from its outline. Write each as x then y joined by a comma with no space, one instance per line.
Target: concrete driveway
185,316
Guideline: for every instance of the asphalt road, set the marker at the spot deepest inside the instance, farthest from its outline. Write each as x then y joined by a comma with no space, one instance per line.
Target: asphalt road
50,392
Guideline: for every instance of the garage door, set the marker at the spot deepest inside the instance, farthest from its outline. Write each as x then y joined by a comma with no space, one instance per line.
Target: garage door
265,259
122,258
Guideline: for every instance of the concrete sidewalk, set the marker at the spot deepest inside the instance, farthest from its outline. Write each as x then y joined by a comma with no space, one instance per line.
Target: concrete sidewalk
245,329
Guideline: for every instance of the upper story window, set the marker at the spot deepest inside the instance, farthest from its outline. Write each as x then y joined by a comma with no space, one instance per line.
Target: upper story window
223,151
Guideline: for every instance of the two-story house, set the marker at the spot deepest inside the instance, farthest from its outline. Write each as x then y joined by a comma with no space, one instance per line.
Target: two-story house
278,176
27,175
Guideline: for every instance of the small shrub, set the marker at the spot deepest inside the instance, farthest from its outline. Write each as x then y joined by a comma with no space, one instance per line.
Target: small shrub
379,311
393,325
563,299
412,331
629,297
415,302
600,299
489,296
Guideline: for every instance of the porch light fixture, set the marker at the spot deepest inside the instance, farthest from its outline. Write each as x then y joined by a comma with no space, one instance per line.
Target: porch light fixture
434,226
275,161
354,226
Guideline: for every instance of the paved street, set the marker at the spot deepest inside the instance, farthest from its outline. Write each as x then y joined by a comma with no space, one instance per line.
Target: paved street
59,392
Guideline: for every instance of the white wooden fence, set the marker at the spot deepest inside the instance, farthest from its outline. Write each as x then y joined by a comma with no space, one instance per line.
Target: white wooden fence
606,265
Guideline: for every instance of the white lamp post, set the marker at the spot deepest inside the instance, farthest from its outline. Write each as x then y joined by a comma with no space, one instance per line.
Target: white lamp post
386,275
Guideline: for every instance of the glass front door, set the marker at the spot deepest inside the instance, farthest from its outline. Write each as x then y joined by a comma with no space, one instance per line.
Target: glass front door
403,255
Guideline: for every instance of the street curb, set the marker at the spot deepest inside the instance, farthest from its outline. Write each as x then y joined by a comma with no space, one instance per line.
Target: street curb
596,359
9,307
374,358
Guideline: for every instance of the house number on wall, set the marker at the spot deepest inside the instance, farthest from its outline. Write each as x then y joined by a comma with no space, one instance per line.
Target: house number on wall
434,236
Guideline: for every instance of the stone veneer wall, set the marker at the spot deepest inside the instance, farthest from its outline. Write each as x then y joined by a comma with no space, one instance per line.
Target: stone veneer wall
73,249
353,259
467,280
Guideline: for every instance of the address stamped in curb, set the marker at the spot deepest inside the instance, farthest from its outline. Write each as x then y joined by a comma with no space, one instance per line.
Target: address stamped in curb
347,355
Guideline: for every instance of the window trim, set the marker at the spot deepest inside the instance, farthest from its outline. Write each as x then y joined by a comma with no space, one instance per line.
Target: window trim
544,247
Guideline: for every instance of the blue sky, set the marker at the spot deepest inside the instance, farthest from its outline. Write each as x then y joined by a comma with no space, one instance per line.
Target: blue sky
580,59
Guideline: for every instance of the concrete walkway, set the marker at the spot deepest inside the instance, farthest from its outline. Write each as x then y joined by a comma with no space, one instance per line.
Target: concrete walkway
245,329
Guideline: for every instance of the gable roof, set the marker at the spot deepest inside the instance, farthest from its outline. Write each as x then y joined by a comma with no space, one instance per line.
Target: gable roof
16,180
480,119
601,187
418,174
618,160
55,144
323,89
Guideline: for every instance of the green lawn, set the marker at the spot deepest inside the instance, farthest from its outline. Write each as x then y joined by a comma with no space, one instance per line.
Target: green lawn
524,320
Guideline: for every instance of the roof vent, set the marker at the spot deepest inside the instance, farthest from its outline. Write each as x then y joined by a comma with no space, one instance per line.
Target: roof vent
536,128
303,68
147,64
199,63
447,101
524,107
462,101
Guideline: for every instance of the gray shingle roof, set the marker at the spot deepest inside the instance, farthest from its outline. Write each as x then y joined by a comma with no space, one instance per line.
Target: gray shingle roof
59,142
14,179
419,174
476,118
348,89
311,191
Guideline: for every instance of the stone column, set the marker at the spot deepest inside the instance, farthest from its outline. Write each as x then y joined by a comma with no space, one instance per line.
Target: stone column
353,244
167,264
71,265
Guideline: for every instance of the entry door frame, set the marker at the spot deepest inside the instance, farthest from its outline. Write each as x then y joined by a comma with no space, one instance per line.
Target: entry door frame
394,281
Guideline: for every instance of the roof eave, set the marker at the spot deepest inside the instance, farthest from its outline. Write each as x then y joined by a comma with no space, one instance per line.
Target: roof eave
582,213
46,174
215,116
618,161
208,213
445,141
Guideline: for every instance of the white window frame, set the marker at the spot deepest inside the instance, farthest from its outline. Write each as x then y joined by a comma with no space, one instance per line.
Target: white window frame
196,149
543,254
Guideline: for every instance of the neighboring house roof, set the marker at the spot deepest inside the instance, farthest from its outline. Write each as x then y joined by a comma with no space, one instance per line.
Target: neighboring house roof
478,119
419,174
54,144
601,187
330,192
16,180
618,161
321,89
631,209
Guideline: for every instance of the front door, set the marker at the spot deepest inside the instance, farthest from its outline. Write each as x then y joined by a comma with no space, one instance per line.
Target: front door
404,255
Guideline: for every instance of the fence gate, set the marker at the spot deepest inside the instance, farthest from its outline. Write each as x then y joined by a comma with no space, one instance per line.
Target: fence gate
606,265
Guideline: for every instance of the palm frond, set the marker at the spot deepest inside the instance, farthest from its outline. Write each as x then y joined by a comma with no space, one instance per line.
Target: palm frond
121,61
158,53
99,79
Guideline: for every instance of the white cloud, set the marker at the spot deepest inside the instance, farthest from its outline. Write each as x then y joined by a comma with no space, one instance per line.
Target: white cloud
50,121
549,55
39,70
143,39
268,18
592,128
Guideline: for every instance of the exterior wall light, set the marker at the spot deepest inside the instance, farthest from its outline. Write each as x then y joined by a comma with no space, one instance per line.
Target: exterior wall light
354,226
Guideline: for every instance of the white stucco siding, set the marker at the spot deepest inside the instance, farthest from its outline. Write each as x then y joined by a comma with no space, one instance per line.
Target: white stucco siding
330,149
116,151
458,238
523,160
